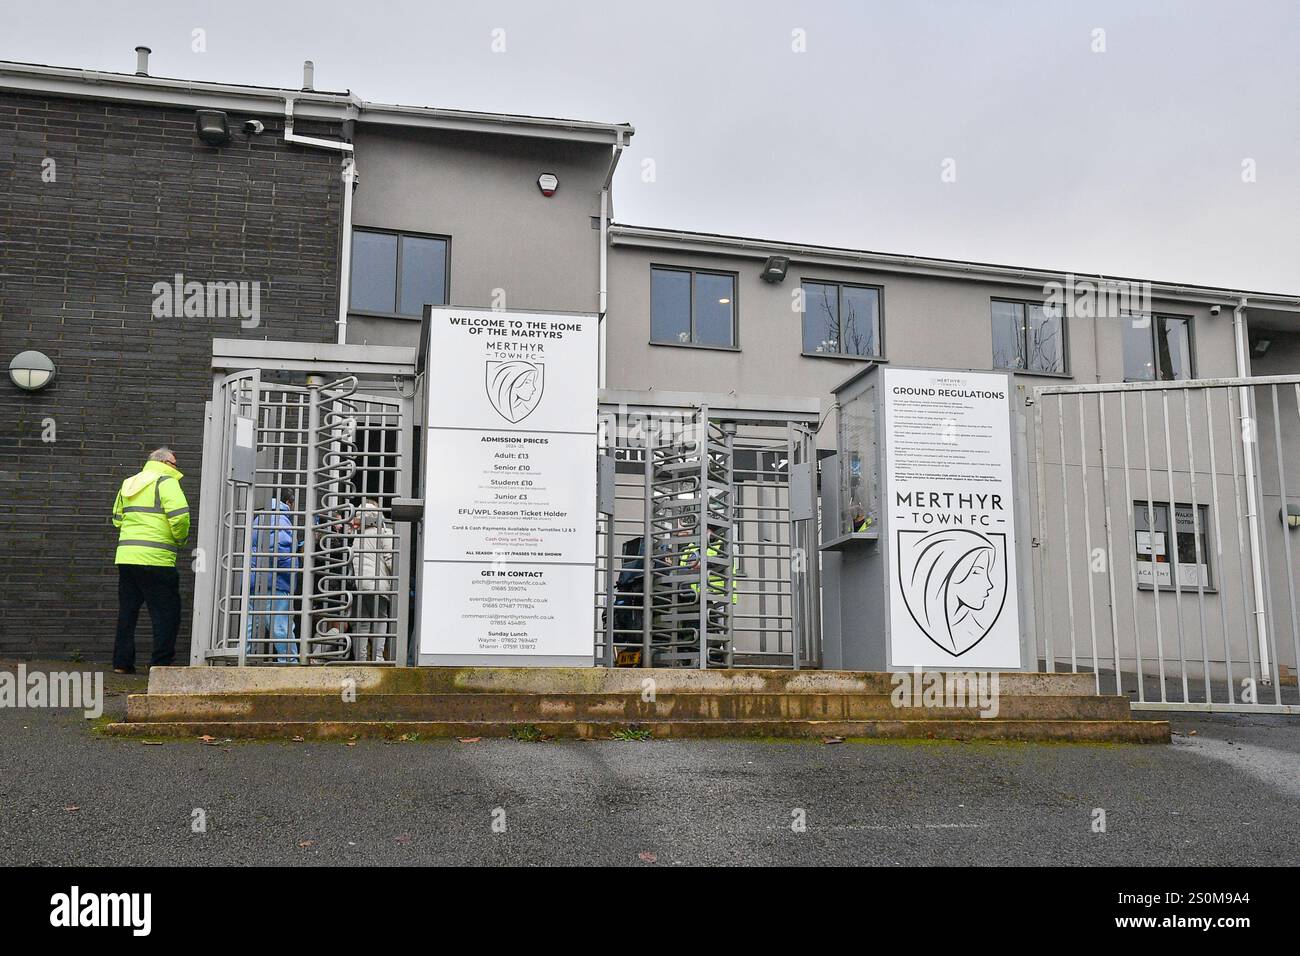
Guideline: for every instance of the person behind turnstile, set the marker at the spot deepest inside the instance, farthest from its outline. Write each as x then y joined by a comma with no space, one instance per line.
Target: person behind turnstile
275,559
372,568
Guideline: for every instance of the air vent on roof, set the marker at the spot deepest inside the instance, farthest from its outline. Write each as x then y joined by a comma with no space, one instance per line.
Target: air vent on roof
142,60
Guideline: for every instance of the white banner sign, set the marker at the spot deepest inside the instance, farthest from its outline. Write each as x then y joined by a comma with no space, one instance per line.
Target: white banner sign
510,485
949,496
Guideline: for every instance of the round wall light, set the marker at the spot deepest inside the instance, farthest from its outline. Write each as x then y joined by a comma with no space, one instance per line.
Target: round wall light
31,371
1291,516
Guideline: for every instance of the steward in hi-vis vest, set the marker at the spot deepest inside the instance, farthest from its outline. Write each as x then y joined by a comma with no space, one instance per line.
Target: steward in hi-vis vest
153,522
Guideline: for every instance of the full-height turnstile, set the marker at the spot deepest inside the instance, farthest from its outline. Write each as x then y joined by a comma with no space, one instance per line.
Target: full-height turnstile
299,559
716,496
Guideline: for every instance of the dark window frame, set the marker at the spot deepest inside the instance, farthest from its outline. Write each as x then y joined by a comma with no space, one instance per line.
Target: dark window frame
1171,546
841,285
693,272
1156,319
1024,332
397,288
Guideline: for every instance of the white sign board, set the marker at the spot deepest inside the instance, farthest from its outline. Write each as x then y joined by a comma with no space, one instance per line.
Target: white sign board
510,488
949,500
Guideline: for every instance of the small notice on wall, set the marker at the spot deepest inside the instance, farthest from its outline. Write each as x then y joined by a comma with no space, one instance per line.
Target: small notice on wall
949,494
510,487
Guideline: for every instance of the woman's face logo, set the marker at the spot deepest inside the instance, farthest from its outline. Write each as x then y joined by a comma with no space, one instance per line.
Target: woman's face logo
953,583
974,590
515,387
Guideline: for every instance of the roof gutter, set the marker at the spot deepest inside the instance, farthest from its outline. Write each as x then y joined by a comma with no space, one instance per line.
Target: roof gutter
640,236
311,105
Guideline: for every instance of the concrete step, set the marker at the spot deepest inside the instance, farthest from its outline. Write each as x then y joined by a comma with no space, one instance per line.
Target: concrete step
564,680
516,707
1110,731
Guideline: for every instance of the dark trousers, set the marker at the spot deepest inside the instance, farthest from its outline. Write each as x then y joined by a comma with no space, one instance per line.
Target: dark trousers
158,587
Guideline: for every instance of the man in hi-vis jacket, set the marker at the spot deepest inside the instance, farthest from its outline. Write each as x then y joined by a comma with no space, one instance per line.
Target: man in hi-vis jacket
153,522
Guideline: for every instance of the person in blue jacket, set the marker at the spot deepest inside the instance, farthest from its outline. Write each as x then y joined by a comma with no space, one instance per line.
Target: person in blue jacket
275,560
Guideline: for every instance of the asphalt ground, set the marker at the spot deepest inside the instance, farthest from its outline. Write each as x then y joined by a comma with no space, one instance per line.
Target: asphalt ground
1225,792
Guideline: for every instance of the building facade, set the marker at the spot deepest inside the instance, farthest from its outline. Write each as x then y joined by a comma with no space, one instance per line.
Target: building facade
109,189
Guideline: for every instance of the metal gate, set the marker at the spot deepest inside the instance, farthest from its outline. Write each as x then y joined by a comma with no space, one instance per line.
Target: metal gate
299,560
1167,546
720,503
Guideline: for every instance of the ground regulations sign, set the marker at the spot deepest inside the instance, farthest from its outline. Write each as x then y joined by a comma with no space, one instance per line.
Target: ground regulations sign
949,494
510,487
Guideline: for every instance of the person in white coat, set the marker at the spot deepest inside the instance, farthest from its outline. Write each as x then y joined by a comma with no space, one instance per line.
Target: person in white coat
372,570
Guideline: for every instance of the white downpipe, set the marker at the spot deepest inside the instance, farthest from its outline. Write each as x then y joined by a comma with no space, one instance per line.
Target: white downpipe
1249,427
345,256
349,180
603,298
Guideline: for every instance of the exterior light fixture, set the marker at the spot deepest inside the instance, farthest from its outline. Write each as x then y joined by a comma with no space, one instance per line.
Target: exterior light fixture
548,183
774,269
31,371
1290,516
212,127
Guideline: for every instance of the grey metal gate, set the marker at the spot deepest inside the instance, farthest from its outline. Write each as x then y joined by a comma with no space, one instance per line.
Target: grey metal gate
1167,546
299,560
719,502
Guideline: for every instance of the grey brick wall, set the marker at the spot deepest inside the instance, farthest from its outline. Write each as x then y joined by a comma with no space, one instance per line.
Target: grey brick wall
136,199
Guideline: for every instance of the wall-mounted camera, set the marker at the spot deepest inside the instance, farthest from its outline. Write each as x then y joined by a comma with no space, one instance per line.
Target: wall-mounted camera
253,127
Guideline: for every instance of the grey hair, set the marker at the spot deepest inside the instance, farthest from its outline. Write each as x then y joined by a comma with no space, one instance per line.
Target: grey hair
161,454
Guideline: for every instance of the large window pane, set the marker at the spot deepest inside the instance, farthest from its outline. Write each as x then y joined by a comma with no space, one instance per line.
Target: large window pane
1008,335
860,325
374,272
1191,573
670,306
1139,357
714,304
1151,530
1173,340
1045,340
424,274
821,317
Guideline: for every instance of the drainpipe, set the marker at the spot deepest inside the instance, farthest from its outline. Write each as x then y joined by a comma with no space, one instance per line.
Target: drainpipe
1248,429
603,303
349,181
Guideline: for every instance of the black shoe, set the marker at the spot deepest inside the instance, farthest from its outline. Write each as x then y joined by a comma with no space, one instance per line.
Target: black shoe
123,670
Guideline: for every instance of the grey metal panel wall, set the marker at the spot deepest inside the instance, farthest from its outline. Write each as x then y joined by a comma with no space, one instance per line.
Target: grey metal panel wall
136,200
482,192
932,322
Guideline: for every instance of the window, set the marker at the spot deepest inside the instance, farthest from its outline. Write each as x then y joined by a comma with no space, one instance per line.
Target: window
692,308
1155,561
396,274
1157,348
841,319
1028,336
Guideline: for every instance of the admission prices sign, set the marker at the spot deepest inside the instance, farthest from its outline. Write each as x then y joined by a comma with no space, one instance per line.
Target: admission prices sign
510,488
949,500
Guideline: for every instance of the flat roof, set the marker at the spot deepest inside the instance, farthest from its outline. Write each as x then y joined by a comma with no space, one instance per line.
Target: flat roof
688,241
308,104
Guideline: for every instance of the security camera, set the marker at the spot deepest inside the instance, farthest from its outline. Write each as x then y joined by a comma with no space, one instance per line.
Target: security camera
1215,309
253,127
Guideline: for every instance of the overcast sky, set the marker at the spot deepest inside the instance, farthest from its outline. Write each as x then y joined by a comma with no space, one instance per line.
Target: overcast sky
1122,152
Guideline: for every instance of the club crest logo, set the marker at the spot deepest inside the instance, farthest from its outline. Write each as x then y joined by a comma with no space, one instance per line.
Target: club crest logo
514,387
954,583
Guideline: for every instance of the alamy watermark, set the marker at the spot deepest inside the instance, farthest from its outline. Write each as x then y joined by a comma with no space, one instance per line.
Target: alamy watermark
208,300
947,689
68,689
1097,298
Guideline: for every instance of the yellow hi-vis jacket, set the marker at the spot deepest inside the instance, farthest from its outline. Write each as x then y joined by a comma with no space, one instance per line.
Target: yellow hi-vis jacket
153,517
717,583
